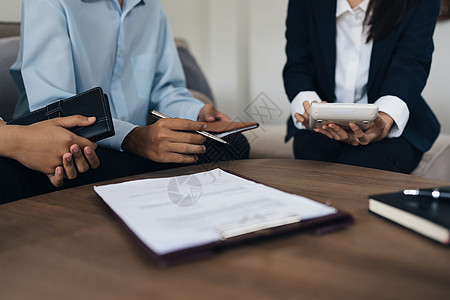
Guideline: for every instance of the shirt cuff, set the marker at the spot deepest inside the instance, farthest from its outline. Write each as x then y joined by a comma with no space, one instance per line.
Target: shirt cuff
397,109
122,129
297,105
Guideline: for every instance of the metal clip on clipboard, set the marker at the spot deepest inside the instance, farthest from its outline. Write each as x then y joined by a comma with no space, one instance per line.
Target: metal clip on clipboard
247,225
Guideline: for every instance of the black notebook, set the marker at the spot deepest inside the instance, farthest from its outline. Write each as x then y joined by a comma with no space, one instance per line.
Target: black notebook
422,214
92,103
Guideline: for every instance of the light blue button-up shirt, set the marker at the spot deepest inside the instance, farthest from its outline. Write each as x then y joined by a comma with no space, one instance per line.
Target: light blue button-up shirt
69,46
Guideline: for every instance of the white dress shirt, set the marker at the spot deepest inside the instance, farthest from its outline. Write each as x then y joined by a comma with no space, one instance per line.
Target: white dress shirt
352,69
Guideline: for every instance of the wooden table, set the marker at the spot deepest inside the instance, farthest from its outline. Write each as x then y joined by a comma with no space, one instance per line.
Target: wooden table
68,245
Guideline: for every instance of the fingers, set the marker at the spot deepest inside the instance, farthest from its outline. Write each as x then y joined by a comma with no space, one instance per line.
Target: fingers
376,132
299,117
359,134
73,163
324,131
187,137
183,148
207,113
57,179
69,166
180,158
222,117
381,125
83,160
165,132
91,157
180,124
74,121
337,133
83,142
179,153
307,108
344,135
79,159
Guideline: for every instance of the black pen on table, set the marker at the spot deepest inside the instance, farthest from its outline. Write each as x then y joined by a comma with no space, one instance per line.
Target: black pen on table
201,132
434,193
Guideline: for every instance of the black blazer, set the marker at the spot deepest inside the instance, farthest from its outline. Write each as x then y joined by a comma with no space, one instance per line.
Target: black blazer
399,65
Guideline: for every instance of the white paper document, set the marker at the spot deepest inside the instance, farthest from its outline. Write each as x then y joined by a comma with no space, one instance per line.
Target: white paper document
176,213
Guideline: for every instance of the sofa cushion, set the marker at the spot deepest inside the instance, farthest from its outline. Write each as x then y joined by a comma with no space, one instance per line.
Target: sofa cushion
268,142
435,163
8,92
195,79
8,29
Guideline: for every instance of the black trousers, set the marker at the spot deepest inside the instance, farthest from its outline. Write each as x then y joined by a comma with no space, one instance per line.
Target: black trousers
18,182
396,154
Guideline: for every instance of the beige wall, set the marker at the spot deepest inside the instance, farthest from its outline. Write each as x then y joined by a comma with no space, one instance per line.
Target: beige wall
437,91
240,46
10,10
244,41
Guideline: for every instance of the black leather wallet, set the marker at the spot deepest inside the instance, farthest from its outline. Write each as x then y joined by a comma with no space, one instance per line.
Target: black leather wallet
92,103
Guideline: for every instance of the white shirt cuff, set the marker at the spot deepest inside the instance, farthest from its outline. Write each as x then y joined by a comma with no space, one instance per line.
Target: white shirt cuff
397,109
297,105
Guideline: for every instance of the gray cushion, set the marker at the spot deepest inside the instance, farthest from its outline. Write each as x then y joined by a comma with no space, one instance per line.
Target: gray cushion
195,79
435,163
8,29
8,92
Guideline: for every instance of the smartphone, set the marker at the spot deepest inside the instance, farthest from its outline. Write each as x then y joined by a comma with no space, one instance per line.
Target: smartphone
341,114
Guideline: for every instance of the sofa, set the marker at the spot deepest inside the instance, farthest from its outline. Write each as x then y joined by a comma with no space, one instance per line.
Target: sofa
266,141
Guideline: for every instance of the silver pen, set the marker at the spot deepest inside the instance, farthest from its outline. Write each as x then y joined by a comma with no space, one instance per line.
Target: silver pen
434,193
201,132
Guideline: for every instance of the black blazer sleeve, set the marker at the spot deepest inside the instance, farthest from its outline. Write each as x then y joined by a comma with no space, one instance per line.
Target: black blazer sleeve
299,70
304,64
410,62
400,66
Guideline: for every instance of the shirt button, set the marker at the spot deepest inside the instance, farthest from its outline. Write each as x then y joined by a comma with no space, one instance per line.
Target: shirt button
123,118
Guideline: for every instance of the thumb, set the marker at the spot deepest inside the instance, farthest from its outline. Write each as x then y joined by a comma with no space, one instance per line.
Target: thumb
380,123
57,179
74,121
209,112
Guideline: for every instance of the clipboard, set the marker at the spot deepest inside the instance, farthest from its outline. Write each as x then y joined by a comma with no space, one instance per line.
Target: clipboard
249,228
318,226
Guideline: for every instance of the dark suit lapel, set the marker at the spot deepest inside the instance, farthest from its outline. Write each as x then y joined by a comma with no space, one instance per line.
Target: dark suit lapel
383,50
380,52
325,21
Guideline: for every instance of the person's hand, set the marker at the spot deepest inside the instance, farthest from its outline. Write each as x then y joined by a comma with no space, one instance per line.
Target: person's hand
167,141
375,133
304,118
41,146
209,114
74,162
